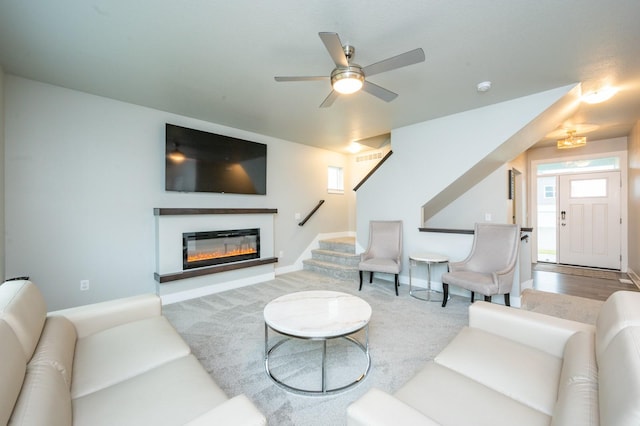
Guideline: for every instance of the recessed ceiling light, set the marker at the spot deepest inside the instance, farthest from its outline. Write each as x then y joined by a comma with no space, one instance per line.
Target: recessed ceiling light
484,86
354,147
600,95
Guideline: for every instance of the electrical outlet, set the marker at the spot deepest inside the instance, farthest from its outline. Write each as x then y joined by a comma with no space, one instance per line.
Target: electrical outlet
84,285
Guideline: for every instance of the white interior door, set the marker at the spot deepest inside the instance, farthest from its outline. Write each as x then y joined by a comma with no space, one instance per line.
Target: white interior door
589,230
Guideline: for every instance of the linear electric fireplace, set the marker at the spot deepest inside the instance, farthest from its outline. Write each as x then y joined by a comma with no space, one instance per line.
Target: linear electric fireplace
215,247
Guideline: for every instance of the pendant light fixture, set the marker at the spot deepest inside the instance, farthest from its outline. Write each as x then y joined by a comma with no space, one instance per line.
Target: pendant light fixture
571,141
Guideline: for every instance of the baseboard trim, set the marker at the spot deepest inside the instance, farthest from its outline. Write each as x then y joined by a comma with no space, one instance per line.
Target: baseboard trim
181,296
287,269
634,277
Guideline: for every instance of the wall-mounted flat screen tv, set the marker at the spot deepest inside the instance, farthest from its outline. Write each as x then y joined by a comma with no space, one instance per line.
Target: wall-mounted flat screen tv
198,161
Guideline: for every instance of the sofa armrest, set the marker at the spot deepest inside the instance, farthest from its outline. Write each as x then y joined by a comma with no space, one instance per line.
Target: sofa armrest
543,332
378,408
89,319
238,411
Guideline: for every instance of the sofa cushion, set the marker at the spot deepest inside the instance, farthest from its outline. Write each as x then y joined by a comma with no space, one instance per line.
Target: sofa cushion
620,310
57,346
23,308
525,374
377,407
577,402
100,316
105,358
619,387
451,398
238,410
13,366
171,394
44,399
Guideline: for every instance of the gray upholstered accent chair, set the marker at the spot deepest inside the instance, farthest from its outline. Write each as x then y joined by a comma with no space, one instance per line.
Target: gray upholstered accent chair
384,252
490,266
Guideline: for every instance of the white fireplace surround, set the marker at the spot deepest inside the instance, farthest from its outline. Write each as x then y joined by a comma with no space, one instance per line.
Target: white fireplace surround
169,230
169,257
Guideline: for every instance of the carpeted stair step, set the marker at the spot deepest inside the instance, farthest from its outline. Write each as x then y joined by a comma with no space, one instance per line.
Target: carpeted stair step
329,269
337,257
341,244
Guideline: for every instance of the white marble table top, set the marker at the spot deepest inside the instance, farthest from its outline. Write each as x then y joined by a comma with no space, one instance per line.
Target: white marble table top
317,314
429,257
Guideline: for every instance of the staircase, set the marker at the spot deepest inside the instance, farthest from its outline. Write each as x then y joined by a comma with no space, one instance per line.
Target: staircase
335,258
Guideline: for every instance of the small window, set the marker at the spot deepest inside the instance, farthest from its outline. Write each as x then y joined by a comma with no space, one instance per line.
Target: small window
580,166
587,188
335,181
549,191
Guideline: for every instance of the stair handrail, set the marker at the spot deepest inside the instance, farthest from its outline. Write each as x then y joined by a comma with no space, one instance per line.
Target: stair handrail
321,202
376,167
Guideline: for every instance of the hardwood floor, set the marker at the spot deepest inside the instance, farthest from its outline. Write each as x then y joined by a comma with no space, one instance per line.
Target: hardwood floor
546,279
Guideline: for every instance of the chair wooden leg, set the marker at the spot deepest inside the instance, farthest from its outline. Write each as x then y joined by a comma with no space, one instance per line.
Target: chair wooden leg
360,273
370,277
507,299
397,284
445,294
473,297
487,299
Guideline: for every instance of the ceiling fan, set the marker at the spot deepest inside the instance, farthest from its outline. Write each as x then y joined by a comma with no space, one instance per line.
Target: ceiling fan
348,77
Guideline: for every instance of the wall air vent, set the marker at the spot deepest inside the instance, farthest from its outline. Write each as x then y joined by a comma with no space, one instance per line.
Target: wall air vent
369,157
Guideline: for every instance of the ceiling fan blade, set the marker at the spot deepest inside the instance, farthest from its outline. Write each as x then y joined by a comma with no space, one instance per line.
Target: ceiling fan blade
316,78
328,101
334,47
379,92
408,58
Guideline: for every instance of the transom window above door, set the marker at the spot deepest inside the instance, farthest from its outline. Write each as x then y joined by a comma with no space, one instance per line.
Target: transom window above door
579,166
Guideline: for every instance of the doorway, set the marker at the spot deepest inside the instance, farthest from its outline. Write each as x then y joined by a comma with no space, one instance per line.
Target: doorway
578,213
590,223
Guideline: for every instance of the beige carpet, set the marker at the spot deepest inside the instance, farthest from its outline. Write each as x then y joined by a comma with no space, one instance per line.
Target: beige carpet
226,333
561,305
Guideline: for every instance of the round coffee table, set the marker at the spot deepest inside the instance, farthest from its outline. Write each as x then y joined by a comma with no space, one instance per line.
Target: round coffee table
317,315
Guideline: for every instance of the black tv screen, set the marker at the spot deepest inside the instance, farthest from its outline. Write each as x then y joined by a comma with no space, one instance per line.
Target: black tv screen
198,161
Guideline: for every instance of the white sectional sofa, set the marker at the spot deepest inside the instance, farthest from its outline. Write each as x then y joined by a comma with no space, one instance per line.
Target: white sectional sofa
113,363
511,366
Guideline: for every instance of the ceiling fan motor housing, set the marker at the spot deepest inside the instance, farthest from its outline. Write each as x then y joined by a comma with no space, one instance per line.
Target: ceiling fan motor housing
348,77
349,51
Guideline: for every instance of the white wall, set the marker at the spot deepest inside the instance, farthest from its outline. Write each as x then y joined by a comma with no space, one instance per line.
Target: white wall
488,197
429,156
2,177
86,173
634,203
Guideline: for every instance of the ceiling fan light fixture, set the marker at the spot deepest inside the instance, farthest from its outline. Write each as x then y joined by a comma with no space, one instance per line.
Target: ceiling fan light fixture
347,80
571,141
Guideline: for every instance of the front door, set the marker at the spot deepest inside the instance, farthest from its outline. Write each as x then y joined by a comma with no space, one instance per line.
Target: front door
589,217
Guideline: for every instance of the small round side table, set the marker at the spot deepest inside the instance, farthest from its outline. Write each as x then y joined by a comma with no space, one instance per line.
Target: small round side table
429,259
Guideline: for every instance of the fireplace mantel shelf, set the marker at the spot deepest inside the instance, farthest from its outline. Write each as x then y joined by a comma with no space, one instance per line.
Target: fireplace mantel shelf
192,273
182,211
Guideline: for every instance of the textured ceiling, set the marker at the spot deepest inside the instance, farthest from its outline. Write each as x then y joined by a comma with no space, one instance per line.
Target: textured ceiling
216,61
